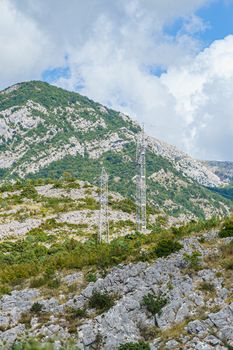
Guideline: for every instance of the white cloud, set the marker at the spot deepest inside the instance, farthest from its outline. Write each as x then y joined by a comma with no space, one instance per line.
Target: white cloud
112,49
204,97
22,46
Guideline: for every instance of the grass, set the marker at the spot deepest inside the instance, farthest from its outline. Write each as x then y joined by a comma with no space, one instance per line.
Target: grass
34,345
207,287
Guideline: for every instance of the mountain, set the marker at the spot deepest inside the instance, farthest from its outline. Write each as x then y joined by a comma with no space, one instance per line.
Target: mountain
60,287
46,131
224,170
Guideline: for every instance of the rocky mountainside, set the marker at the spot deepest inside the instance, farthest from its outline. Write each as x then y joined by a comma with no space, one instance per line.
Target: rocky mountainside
45,131
167,289
179,297
224,170
60,288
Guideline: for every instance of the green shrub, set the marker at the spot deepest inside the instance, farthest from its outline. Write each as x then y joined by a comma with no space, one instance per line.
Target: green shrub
29,192
141,345
75,313
32,346
91,277
54,283
154,304
227,229
201,240
166,247
36,307
193,260
101,301
229,264
4,289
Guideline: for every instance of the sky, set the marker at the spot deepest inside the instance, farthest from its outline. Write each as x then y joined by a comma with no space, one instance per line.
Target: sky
167,64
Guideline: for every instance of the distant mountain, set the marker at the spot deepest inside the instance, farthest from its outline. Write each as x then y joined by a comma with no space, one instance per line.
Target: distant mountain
224,170
45,131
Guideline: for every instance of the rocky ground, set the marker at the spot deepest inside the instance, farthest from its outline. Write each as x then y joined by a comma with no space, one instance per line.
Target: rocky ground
198,313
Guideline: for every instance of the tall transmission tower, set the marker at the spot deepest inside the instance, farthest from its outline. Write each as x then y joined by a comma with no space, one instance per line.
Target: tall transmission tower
103,216
141,183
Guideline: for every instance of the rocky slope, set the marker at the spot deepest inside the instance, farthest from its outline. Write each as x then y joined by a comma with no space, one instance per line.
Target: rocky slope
224,170
45,131
195,283
61,209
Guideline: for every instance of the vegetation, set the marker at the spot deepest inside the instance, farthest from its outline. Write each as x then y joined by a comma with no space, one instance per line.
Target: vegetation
193,260
35,260
154,304
36,307
226,192
91,277
227,256
101,301
227,229
166,247
207,287
141,345
33,345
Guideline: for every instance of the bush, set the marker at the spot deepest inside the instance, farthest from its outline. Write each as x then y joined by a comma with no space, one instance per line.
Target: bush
229,264
141,345
166,247
100,301
29,192
32,346
227,229
154,304
75,313
54,283
193,260
91,277
36,307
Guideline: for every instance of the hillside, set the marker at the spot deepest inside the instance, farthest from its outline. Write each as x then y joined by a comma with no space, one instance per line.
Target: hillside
170,289
60,288
45,131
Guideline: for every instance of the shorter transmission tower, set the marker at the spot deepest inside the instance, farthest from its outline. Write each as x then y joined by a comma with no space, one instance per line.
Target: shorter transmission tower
103,216
141,183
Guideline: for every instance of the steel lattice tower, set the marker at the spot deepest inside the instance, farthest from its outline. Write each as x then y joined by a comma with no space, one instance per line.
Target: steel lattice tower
141,183
103,218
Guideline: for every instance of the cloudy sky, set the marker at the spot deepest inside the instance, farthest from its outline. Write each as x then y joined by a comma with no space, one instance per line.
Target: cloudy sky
166,63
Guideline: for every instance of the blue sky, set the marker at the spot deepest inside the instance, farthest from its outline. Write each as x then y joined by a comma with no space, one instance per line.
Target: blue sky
218,17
